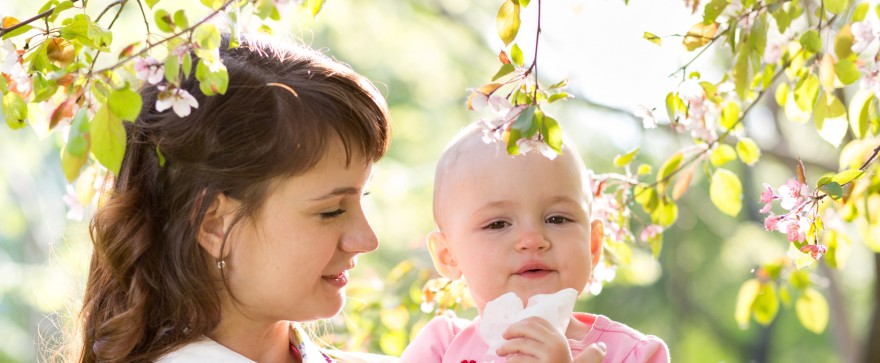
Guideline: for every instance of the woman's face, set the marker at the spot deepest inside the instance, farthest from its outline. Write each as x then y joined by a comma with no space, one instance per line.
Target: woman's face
291,261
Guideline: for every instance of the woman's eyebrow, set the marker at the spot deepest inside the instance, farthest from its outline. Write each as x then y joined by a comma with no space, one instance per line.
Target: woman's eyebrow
337,192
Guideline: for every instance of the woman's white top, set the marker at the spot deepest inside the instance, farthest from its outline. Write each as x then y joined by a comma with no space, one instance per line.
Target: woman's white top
207,350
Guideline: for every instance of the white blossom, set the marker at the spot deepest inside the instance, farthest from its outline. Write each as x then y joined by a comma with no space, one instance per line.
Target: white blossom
649,121
177,99
863,35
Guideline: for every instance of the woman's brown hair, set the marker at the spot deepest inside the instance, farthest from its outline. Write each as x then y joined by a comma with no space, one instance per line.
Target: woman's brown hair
149,290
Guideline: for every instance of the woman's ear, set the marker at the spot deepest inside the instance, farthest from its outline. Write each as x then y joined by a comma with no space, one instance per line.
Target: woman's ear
218,218
442,256
597,235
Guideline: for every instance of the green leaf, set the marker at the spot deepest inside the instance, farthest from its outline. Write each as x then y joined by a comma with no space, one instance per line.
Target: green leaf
766,304
71,164
812,310
652,38
741,76
729,114
207,36
644,169
516,55
315,6
211,83
646,197
503,71
161,156
124,104
847,176
811,41
559,96
507,21
624,159
82,30
14,110
725,191
846,71
744,300
666,213
108,139
832,189
172,69
722,154
180,19
164,20
836,6
713,9
748,151
77,143
151,3
858,112
526,121
783,20
552,133
674,105
670,166
187,65
62,6
43,88
806,91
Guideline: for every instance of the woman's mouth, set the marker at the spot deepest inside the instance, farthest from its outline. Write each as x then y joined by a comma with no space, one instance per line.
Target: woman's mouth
339,280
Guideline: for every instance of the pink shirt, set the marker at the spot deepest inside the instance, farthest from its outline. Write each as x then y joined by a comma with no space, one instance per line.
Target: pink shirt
452,340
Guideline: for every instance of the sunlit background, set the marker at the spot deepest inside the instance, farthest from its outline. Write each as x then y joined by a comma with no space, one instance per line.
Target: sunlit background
424,55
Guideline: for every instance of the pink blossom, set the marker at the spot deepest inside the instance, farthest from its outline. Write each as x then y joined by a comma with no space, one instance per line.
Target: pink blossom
816,251
649,232
794,227
770,223
149,69
767,197
74,207
792,194
499,104
772,53
180,100
870,78
863,35
478,100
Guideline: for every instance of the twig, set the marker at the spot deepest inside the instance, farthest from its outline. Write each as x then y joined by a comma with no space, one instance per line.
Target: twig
4,31
870,159
121,4
146,23
535,59
683,68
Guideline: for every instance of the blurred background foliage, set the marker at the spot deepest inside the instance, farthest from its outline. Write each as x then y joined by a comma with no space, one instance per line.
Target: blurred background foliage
423,56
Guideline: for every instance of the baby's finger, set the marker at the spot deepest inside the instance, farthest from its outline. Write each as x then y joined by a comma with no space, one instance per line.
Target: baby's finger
535,350
595,353
534,328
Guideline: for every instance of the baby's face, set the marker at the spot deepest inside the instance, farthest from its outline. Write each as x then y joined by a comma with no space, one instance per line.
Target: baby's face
516,224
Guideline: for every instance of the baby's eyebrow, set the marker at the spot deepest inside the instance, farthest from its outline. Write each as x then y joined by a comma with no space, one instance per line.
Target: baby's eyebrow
500,204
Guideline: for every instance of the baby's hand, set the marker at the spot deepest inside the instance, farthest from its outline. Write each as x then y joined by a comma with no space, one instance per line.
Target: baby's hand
534,340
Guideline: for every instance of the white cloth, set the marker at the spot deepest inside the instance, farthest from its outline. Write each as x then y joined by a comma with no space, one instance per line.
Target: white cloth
207,350
507,309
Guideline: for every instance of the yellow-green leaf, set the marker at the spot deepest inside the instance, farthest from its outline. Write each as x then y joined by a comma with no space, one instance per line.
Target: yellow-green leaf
725,191
835,6
806,91
651,38
846,71
860,13
666,213
108,139
811,41
741,76
748,151
713,9
14,110
516,55
669,166
782,93
729,114
858,112
722,154
812,310
766,304
847,176
125,104
644,169
744,300
830,118
624,160
507,21
315,6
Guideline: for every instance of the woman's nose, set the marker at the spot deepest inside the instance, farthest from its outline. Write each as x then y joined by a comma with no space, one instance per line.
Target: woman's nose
360,238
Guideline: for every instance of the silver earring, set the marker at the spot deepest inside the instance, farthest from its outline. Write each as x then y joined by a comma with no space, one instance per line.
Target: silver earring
221,264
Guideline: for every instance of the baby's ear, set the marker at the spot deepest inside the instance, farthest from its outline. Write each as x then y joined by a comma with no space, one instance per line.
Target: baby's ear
442,256
597,235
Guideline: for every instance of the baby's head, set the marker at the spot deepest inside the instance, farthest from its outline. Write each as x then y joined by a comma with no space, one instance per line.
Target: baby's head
512,223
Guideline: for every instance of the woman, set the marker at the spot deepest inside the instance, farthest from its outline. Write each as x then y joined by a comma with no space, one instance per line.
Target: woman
225,226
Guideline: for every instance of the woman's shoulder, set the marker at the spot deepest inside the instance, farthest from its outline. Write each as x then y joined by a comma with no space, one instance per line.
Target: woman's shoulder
203,350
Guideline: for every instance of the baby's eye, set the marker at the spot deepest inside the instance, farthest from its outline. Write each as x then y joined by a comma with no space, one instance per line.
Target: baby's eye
330,215
557,220
496,225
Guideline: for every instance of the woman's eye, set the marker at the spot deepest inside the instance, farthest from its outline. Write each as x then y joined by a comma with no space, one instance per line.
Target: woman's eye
557,220
496,225
329,215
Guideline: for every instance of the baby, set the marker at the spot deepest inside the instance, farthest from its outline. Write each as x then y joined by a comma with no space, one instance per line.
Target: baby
519,224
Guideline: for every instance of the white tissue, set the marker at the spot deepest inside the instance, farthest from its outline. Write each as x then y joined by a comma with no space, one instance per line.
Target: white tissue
507,309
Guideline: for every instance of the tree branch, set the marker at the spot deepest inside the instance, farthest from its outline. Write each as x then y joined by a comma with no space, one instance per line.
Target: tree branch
45,14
